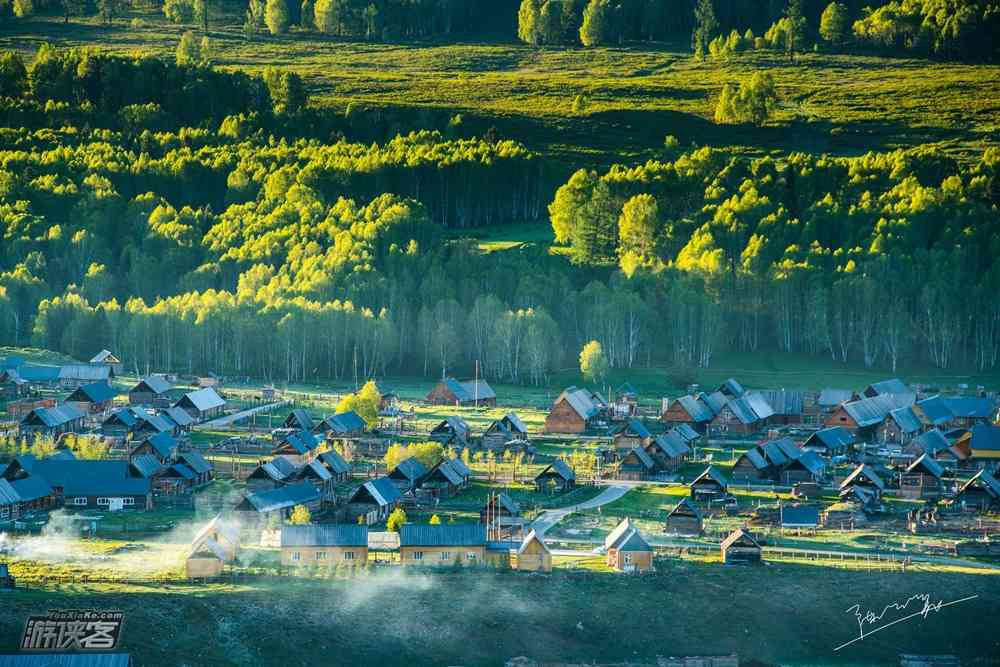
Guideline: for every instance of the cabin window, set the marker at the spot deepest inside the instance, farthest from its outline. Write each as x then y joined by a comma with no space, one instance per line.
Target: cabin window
128,501
445,555
104,501
296,556
418,555
80,500
471,555
4,511
628,558
320,555
348,555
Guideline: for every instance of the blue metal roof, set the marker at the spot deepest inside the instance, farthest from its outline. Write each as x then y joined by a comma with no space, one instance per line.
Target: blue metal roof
325,535
442,535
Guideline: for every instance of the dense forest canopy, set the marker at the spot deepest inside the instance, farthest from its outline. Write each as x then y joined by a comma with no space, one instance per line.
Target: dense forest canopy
243,245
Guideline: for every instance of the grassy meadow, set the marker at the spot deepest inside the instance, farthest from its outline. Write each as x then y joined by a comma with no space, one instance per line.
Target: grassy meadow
636,95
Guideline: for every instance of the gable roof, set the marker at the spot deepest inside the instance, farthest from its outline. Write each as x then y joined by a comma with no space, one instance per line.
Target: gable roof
985,438
452,424
971,407
928,464
444,469
325,535
382,491
637,428
559,467
906,419
195,461
52,417
33,373
755,458
697,408
834,437
508,503
935,409
335,462
299,418
984,480
146,465
932,441
785,402
866,471
442,535
410,469
891,386
156,384
218,527
105,357
732,388
207,547
871,411
302,442
685,431
618,532
282,498
202,399
458,465
179,416
24,490
711,473
715,401
85,373
685,508
162,443
643,457
344,422
279,468
470,390
90,478
584,402
532,536
740,535
672,444
182,471
95,392
831,398
811,461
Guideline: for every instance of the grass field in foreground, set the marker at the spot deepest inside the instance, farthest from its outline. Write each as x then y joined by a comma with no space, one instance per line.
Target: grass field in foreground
792,614
840,104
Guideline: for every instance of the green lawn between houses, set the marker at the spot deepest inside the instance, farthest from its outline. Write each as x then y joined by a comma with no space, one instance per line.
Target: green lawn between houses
484,617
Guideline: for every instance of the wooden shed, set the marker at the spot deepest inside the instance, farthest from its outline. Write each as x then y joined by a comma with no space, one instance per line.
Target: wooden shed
741,547
684,519
450,391
533,555
555,477
922,478
626,550
206,560
153,390
575,411
711,485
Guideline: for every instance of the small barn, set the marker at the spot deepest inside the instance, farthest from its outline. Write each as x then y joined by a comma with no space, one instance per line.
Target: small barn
710,486
922,478
508,428
153,390
900,426
324,545
799,517
636,464
298,420
225,534
301,444
162,445
442,544
77,375
92,398
864,476
374,500
203,470
556,477
203,404
51,421
684,519
443,480
453,431
108,358
575,411
342,425
205,560
450,391
672,448
335,463
692,409
533,555
25,494
280,502
744,415
741,548
831,441
626,550
981,492
632,433
808,467
408,474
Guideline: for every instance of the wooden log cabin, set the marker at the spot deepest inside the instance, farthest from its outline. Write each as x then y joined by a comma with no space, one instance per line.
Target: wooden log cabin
576,411
373,500
502,517
507,429
865,477
636,464
692,409
626,550
533,555
450,391
710,486
556,477
829,442
684,519
741,548
921,479
981,492
92,398
153,390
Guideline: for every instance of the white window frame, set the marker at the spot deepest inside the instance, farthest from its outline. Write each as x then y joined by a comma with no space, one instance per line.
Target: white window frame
418,555
348,555
445,555
128,500
320,555
471,555
104,501
628,558
296,556
80,501
4,511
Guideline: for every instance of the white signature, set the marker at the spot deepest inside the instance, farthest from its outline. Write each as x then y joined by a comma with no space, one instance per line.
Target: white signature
869,618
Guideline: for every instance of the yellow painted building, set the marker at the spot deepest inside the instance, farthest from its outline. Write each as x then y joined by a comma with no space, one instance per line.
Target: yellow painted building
533,556
324,545
442,545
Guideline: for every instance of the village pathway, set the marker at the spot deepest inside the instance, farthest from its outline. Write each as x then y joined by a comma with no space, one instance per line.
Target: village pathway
228,420
549,518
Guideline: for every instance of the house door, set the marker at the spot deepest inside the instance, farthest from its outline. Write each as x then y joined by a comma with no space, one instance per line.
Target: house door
116,504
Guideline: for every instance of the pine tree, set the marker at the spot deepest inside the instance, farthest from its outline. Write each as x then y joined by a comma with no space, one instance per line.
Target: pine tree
594,29
705,25
276,16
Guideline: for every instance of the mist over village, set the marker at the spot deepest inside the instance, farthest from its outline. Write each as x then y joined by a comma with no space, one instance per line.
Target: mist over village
521,333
